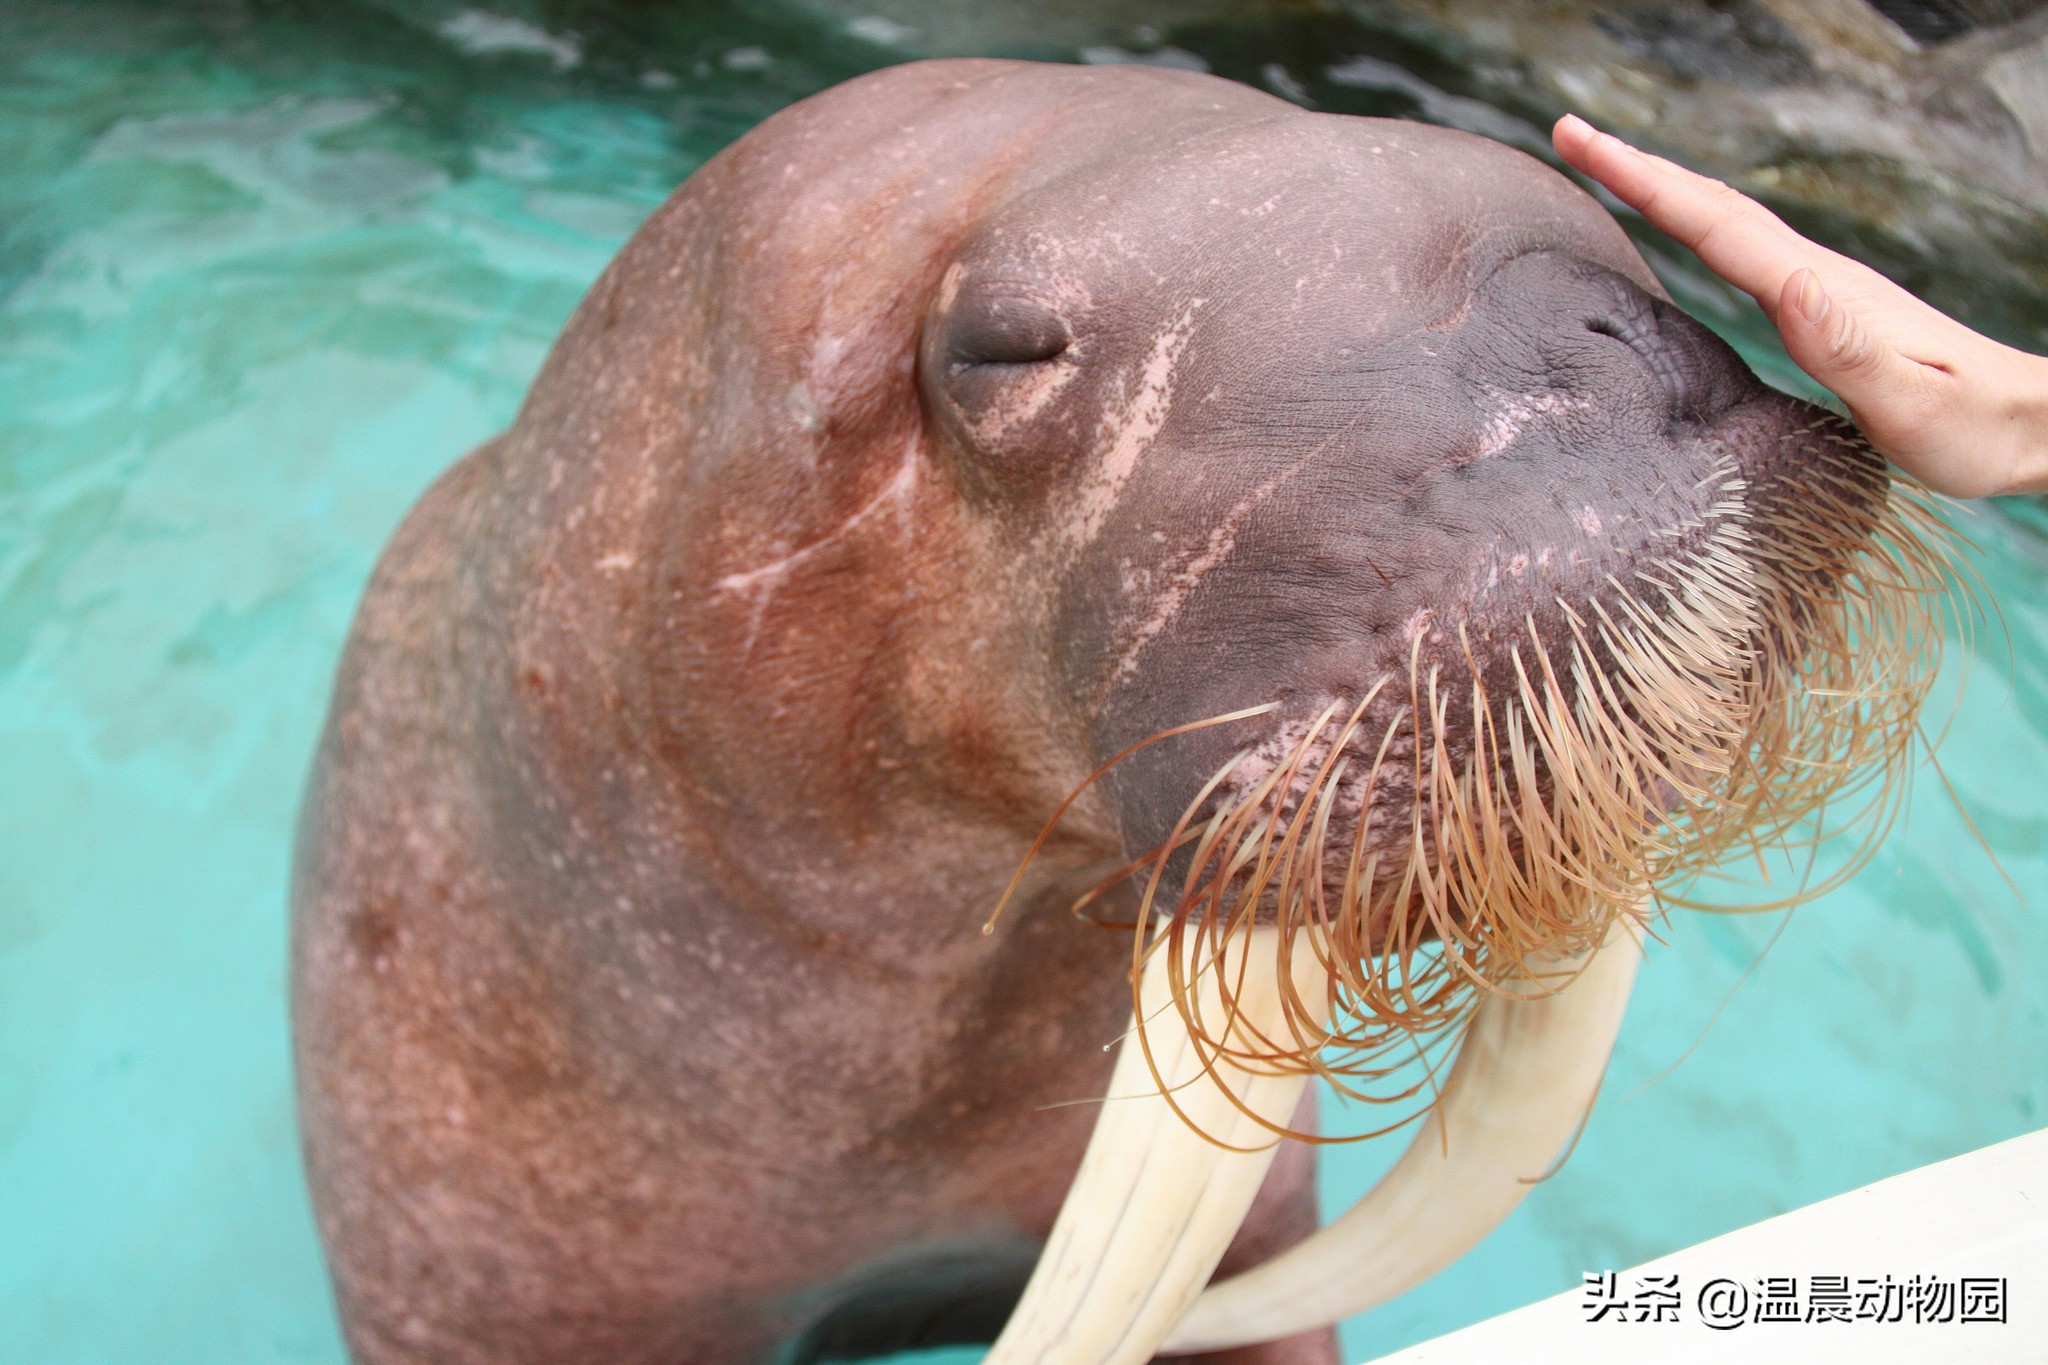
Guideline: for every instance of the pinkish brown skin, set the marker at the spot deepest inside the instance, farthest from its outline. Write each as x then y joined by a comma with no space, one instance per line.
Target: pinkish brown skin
690,729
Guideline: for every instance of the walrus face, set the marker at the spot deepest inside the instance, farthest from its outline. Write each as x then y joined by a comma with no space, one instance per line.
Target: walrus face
1295,415
1514,592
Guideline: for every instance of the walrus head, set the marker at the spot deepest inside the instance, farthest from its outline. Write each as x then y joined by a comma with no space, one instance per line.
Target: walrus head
1388,430
1513,594
1424,589
1516,595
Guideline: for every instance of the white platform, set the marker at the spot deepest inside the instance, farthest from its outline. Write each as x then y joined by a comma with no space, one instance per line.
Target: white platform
1984,1214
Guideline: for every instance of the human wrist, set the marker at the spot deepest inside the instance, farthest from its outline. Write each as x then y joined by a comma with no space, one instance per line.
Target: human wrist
2026,423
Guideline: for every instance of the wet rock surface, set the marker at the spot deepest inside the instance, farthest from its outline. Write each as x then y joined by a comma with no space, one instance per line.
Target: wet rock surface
1912,134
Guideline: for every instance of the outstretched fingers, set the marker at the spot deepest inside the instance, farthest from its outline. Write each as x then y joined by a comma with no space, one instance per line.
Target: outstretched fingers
1740,240
1811,293
1961,412
1885,390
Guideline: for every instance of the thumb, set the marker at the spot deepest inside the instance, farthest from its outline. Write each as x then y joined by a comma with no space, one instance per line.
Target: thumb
1828,342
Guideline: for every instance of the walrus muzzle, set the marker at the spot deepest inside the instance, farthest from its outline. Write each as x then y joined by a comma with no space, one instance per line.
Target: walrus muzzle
1468,854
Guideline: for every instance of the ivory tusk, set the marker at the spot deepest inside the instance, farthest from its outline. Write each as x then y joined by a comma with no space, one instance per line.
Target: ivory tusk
1155,1204
1523,1083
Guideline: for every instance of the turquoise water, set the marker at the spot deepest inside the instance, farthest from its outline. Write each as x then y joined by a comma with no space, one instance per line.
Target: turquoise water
264,269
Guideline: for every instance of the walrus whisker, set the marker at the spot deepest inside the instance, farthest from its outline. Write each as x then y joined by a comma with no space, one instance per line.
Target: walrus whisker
1758,690
1282,863
1142,949
1002,902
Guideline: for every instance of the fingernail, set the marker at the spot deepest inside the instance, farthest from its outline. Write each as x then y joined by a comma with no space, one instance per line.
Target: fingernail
1813,300
1574,123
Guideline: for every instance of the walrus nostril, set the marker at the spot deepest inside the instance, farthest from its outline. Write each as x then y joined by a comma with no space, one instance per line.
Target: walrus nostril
1683,371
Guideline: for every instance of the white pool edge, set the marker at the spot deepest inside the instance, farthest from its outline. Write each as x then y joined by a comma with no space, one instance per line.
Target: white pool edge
1982,1215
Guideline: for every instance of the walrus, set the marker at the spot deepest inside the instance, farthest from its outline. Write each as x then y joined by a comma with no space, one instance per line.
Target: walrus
1313,547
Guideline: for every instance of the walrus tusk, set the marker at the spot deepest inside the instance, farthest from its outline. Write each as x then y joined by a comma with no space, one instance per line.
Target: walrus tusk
1155,1204
1523,1083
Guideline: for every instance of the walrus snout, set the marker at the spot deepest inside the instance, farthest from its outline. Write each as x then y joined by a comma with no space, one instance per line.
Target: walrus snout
1557,471
1694,376
1657,609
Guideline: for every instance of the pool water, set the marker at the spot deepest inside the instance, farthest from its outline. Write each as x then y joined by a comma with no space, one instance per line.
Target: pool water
266,268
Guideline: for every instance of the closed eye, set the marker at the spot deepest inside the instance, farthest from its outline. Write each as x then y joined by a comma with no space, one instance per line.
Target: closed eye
1000,330
1036,357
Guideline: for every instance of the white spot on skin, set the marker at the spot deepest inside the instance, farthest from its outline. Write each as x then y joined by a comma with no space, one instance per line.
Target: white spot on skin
1026,399
949,286
1589,521
1515,413
617,561
1517,566
765,581
1221,541
771,574
810,418
1131,425
1420,622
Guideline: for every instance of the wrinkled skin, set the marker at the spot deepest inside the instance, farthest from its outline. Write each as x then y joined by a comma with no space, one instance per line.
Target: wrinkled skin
947,433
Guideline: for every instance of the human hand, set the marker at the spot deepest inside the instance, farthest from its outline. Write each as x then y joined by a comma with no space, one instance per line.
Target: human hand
1962,413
